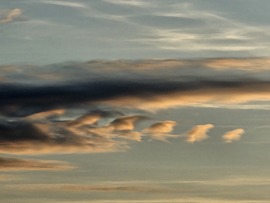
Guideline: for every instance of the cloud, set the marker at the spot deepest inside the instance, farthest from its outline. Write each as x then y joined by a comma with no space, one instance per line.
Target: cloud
9,15
192,29
233,135
137,93
161,130
194,93
14,164
125,123
67,115
43,134
88,119
109,188
65,3
91,188
136,3
119,127
45,114
198,133
245,64
24,137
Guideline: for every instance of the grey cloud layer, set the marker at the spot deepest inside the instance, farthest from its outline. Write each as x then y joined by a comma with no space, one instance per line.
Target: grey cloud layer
135,84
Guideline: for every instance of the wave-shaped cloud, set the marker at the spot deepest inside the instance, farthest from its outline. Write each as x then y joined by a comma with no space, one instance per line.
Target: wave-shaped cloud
64,3
161,130
198,133
233,135
48,110
24,137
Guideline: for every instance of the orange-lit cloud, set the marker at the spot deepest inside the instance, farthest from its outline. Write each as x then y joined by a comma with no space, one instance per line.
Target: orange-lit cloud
137,84
209,95
23,137
66,146
161,130
91,188
45,114
9,15
125,123
58,116
14,164
88,119
245,64
198,133
233,135
121,127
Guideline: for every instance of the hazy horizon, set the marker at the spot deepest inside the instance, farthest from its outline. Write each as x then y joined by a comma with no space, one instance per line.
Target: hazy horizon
128,101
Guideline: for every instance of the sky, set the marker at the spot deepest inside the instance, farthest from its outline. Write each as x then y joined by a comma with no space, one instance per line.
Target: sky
132,101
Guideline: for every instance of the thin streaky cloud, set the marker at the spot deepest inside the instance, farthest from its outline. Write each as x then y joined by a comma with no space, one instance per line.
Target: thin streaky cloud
128,3
9,15
185,200
197,36
235,106
64,3
90,188
8,177
248,64
15,164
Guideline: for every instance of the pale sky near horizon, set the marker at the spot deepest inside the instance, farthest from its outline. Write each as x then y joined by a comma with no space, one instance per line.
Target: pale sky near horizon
132,101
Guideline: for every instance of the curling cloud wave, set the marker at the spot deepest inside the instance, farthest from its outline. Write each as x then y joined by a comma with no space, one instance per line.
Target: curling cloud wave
73,107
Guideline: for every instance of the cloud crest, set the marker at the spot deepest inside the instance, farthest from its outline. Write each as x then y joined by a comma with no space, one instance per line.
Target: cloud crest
161,130
234,135
198,133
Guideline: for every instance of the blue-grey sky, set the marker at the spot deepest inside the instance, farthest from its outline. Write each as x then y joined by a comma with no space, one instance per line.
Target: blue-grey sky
131,101
48,31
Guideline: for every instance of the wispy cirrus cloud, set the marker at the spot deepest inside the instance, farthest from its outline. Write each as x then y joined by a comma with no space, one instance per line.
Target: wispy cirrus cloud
9,15
186,28
137,3
65,3
15,164
92,188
